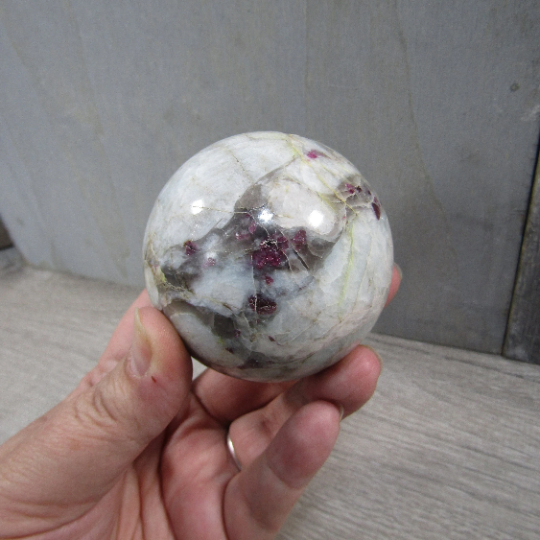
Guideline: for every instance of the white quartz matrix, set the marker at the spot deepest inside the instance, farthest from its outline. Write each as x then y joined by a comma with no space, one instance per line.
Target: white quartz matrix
271,255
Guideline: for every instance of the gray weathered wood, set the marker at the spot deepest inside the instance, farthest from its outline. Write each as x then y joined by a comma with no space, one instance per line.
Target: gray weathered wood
447,448
437,103
426,100
523,334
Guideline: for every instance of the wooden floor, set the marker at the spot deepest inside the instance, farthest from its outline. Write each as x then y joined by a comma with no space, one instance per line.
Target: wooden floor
448,448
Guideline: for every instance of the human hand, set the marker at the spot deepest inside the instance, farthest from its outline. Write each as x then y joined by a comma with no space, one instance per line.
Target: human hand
138,450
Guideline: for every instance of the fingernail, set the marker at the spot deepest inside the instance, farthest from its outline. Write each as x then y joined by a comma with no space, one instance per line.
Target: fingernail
141,352
400,271
341,412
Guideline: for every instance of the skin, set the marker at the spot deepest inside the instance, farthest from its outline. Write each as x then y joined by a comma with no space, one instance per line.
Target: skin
138,450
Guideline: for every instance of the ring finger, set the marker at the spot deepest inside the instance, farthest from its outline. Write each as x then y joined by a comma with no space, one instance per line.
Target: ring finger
348,384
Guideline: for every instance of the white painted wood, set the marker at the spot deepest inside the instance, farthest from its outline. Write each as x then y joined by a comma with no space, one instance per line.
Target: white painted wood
449,447
427,99
437,103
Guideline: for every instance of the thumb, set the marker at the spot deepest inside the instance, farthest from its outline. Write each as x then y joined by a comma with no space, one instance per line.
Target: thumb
135,402
118,417
75,453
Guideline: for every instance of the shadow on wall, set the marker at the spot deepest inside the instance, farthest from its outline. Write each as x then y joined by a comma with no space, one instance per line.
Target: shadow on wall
5,240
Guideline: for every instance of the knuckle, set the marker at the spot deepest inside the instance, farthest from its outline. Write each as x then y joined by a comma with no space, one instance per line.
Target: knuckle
99,411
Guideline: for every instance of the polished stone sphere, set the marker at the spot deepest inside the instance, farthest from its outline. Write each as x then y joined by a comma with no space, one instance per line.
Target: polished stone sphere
271,255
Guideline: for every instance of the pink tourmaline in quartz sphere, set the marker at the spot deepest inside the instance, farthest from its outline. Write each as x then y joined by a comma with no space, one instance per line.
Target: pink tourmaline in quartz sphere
271,255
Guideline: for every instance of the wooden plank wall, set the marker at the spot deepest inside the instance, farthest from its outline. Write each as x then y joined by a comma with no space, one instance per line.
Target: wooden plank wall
437,103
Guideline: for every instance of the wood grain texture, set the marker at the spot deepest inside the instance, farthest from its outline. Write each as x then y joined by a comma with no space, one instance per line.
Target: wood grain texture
447,448
436,103
53,328
523,334
425,99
